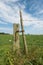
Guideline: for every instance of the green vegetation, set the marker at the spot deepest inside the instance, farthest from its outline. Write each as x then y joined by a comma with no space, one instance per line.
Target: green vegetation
35,49
5,46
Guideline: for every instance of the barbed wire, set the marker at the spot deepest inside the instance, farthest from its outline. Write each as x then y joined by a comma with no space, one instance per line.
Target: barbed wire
32,20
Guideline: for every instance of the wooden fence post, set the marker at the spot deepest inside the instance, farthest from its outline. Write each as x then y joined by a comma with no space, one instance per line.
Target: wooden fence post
23,35
16,44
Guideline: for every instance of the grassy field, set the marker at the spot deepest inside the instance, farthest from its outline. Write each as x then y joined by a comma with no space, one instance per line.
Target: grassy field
5,45
34,42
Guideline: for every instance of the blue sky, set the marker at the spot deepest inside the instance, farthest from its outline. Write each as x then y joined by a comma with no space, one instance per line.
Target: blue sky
32,13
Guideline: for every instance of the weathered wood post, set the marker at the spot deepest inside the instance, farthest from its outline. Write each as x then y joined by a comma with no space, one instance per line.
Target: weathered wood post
16,45
23,36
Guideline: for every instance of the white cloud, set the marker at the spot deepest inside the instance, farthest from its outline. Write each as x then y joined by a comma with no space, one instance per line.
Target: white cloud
40,12
9,0
12,15
9,14
39,25
6,30
28,20
21,7
2,22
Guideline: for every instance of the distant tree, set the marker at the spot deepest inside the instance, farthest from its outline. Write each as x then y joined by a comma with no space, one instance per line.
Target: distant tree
4,33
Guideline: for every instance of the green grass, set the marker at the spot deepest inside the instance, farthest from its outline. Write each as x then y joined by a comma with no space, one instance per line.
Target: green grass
34,42
5,45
